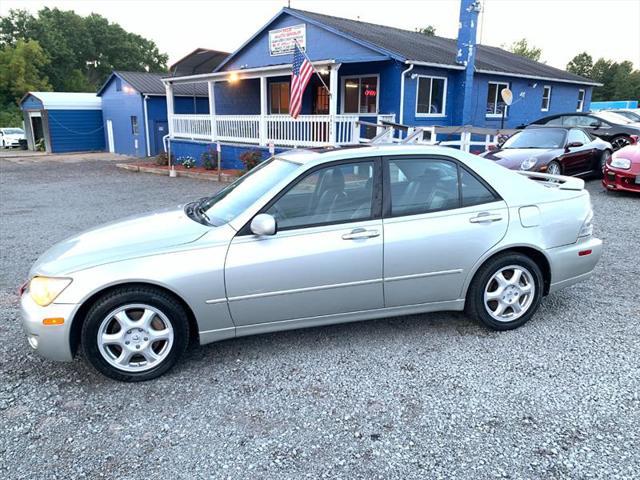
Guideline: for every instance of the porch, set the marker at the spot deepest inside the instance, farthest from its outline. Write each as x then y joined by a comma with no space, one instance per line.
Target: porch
251,106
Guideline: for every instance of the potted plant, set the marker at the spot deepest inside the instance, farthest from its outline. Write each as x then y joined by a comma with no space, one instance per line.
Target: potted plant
250,159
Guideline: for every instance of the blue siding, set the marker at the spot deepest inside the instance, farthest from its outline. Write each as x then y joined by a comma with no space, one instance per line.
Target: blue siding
157,114
239,98
75,130
119,107
31,103
321,45
230,152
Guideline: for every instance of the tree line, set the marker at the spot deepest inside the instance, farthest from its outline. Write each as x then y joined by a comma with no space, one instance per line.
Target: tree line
620,81
58,50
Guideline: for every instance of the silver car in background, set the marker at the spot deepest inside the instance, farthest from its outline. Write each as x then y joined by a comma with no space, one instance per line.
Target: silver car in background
312,238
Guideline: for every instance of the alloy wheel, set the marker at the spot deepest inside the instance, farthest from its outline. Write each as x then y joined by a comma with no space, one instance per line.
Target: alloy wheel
509,293
553,169
135,338
620,142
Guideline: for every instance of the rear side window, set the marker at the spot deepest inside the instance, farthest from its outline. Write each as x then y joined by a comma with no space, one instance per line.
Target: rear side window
474,192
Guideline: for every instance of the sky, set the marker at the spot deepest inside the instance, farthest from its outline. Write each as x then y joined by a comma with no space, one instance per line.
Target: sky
562,28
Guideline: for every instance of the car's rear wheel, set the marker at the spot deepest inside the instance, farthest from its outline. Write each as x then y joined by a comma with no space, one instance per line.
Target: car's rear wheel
505,292
135,334
619,142
554,168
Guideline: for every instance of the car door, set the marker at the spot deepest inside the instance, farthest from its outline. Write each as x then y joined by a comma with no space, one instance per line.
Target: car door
577,159
324,259
439,219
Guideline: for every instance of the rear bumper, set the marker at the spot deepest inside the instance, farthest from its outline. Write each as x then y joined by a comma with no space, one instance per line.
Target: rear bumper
620,180
50,341
573,263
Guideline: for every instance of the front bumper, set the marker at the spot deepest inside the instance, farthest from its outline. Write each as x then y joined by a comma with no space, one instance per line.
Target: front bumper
573,263
615,179
50,341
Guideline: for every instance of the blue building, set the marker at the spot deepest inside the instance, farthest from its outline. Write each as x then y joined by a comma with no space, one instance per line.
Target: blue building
373,73
134,110
63,122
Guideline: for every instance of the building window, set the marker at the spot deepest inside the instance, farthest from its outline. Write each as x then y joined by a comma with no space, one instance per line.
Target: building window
431,96
360,94
134,125
546,98
322,101
118,84
495,104
580,100
279,93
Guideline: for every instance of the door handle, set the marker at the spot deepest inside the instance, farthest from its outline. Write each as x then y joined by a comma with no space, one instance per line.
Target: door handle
486,217
359,233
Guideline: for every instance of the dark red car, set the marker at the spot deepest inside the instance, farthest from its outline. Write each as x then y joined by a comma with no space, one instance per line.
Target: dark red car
555,150
622,171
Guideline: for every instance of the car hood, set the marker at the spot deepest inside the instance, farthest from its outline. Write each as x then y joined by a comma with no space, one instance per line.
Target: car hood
513,157
129,238
14,136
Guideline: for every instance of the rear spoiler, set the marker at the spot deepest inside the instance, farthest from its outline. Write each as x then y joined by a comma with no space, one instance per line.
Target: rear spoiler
555,181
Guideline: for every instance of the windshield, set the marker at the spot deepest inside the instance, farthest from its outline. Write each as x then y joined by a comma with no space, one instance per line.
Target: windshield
613,118
634,117
241,194
537,138
13,131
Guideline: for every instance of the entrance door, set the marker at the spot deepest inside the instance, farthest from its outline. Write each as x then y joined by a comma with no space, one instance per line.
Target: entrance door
324,259
160,129
37,129
110,141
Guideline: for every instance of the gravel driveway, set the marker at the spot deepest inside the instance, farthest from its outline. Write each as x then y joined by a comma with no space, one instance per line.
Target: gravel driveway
425,396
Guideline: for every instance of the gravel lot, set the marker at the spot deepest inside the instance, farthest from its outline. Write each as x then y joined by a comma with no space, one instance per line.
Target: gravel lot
428,396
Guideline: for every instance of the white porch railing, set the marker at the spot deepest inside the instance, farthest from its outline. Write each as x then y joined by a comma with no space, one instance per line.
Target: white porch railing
282,130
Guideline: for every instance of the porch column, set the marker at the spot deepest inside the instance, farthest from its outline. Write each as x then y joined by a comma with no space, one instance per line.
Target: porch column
264,108
169,92
212,110
333,102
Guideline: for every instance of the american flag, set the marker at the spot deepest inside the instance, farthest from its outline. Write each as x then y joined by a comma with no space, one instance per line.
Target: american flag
302,71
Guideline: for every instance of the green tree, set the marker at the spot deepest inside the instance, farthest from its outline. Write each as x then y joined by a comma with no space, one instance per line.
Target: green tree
83,50
581,64
429,30
522,48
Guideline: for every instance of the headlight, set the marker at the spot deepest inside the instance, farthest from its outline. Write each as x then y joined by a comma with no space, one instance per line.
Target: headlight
623,163
587,226
44,290
528,164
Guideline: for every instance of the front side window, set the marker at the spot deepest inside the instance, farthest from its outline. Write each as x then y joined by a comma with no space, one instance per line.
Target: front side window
495,104
134,125
580,105
279,96
334,194
360,95
577,136
422,186
580,121
546,98
431,96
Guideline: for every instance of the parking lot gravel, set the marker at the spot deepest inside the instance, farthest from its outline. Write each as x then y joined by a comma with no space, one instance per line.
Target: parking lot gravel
424,396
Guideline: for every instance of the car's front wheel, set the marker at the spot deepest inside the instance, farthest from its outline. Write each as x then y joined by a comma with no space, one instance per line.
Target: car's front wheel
505,292
604,159
135,334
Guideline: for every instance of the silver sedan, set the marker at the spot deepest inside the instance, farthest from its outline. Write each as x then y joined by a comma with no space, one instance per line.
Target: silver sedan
312,238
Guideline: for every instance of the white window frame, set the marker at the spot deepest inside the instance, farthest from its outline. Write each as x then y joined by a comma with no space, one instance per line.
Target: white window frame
495,102
544,88
444,97
580,106
342,89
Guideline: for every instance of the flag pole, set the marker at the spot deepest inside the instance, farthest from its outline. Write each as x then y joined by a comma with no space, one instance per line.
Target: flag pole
312,66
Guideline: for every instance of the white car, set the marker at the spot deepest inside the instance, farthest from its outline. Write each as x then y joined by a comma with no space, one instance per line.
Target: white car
10,137
313,238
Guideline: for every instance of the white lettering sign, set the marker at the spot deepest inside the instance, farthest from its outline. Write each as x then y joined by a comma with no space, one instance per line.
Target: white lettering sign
282,40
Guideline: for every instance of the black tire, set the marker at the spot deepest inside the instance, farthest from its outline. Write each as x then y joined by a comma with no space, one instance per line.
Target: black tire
475,305
557,165
619,142
156,298
604,156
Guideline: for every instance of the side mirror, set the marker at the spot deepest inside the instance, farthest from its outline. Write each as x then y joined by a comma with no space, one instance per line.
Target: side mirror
492,148
573,145
263,224
595,124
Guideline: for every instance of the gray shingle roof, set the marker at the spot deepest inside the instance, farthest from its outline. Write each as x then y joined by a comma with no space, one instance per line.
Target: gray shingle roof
201,60
151,84
438,50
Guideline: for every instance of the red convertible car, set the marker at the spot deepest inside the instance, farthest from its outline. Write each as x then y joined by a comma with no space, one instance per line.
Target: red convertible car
622,171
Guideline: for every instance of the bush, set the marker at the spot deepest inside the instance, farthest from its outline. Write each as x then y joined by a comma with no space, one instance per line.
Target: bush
250,159
209,159
187,161
162,160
